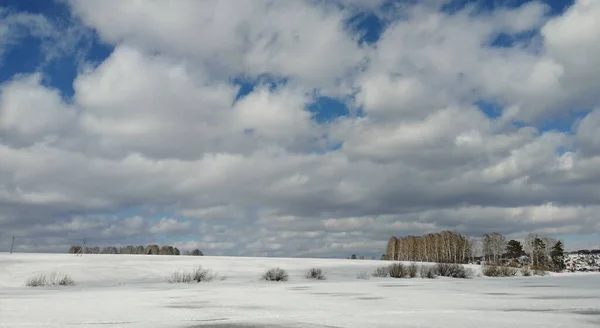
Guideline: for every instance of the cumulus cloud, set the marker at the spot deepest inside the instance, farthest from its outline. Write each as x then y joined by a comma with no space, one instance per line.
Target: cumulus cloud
573,41
235,37
163,129
30,112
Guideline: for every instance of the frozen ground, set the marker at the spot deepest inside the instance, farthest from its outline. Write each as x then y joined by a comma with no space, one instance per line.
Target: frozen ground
131,291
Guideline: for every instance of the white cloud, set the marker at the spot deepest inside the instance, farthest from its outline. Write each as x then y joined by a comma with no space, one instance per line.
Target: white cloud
274,114
30,112
156,128
573,39
169,225
588,133
234,37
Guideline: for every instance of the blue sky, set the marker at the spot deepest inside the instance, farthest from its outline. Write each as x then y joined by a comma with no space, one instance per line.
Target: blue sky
354,112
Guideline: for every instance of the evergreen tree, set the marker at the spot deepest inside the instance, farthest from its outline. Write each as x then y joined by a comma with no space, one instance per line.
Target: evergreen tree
514,249
353,257
557,256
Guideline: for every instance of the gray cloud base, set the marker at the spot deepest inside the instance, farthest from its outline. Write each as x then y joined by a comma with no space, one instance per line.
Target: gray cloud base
155,130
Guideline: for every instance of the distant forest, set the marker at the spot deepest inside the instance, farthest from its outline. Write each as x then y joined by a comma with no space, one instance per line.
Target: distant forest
148,250
452,247
587,252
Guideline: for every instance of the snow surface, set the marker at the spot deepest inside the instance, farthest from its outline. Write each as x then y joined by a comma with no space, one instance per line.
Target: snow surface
131,291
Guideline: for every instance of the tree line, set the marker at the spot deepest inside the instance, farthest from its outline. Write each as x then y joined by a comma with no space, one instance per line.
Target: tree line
147,250
443,247
452,247
587,252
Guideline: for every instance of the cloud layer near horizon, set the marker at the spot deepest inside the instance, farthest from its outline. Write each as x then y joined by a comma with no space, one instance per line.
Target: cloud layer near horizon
156,145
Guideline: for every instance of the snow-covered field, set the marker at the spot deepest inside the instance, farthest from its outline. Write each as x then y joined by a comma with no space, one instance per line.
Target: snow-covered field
131,291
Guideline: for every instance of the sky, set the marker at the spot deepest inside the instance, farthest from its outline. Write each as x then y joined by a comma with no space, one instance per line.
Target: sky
305,128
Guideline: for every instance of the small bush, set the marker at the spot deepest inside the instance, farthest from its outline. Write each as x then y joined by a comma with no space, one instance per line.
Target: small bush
203,275
428,272
453,271
381,272
54,279
64,280
443,269
363,275
490,271
397,270
180,277
499,271
316,274
525,272
37,281
506,271
412,270
197,275
276,274
540,270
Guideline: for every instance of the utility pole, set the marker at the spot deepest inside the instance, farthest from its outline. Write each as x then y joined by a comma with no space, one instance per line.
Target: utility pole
12,244
81,249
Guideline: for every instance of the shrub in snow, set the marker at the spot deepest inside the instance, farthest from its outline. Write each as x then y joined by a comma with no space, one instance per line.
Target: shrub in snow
315,273
180,277
490,271
465,273
499,271
443,269
525,272
412,270
453,271
363,275
197,275
540,270
381,272
37,281
62,280
506,271
428,272
54,279
397,270
276,274
203,275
